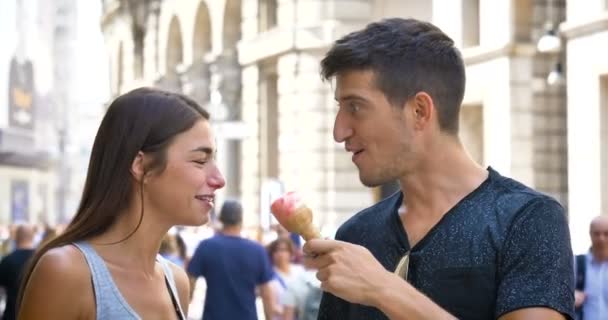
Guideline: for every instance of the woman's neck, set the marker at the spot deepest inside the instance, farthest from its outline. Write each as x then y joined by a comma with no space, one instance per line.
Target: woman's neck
131,246
284,268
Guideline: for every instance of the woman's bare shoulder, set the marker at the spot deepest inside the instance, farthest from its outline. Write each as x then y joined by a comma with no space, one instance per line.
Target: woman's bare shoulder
67,260
59,286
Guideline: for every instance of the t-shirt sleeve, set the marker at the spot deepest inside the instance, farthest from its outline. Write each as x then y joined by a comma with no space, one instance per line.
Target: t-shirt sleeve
196,266
535,267
267,272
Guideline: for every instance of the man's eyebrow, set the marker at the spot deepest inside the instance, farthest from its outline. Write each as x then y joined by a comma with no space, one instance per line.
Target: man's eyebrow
350,97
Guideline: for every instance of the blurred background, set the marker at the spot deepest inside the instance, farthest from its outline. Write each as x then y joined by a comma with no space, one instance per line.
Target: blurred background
536,102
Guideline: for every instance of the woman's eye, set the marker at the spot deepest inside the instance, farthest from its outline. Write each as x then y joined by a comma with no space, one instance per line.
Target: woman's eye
201,162
353,107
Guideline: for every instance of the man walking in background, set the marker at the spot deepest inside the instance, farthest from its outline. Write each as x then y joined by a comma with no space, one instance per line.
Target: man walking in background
591,295
233,268
12,266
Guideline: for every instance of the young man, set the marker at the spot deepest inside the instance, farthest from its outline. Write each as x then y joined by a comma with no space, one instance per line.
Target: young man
458,241
592,274
233,268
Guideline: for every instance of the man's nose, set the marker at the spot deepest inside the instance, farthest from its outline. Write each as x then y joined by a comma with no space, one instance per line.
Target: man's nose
342,128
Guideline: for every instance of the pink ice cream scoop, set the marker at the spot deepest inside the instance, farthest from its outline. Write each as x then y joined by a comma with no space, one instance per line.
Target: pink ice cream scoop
295,216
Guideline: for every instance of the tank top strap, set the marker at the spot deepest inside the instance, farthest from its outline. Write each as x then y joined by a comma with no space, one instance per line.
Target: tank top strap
109,303
170,281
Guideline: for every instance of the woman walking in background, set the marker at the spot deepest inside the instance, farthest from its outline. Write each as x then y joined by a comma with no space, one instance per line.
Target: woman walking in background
281,252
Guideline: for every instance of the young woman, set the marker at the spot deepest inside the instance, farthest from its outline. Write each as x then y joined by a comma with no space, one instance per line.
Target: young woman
152,167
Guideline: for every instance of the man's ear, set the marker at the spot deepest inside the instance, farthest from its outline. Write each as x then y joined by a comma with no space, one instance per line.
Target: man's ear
138,169
422,109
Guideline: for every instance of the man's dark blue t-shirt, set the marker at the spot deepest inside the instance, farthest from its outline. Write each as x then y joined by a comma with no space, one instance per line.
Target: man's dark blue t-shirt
232,267
503,247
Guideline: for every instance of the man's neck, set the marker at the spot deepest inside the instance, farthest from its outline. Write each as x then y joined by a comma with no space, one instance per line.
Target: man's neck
25,245
599,255
234,231
284,267
441,181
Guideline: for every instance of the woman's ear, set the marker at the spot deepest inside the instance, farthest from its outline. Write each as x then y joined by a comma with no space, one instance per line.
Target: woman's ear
138,169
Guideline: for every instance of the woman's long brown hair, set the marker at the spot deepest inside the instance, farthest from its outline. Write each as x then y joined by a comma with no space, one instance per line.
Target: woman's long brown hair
144,119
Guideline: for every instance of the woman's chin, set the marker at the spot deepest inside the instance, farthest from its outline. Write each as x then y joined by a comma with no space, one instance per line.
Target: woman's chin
198,220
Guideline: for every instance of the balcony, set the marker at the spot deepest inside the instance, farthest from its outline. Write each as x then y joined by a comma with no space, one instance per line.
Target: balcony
17,149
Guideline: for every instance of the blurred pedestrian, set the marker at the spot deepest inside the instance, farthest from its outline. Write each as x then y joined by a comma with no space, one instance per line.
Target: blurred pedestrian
170,251
302,297
281,252
233,267
152,167
591,294
13,265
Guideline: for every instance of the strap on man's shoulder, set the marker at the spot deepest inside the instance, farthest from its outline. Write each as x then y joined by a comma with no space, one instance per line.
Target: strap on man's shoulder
581,266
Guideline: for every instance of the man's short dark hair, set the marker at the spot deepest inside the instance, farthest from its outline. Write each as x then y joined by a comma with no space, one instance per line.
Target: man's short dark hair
407,56
231,213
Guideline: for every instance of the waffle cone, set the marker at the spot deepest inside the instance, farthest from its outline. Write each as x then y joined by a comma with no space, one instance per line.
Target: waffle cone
300,222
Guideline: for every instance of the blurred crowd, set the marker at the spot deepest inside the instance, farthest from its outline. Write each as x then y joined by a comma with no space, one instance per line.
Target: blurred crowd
295,290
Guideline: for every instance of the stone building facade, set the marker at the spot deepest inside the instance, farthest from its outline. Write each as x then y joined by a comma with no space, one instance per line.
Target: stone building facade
255,65
585,31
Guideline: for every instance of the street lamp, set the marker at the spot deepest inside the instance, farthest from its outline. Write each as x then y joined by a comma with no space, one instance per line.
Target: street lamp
556,76
550,42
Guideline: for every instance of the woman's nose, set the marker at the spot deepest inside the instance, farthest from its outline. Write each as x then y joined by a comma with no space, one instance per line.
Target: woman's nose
216,179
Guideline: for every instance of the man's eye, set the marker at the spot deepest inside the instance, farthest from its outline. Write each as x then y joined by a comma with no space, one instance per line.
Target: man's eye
201,162
353,107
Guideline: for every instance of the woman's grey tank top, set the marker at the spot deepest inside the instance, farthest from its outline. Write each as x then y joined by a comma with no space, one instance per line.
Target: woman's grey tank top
110,304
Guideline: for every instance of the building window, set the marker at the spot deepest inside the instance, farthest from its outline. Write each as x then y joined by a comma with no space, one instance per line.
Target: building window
470,23
267,14
138,51
269,123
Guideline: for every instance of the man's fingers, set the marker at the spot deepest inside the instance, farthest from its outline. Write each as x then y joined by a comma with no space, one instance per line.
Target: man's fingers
318,261
320,246
323,274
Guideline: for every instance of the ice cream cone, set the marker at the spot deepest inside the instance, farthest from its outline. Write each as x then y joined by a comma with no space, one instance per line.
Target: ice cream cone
295,216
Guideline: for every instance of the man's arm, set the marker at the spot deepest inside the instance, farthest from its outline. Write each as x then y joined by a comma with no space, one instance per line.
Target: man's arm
579,298
352,273
267,295
289,313
533,314
192,285
196,267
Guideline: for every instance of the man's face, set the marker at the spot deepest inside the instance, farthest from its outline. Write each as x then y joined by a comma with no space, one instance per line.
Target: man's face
374,131
599,233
